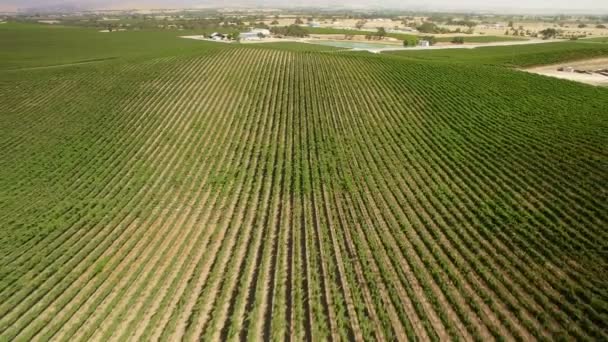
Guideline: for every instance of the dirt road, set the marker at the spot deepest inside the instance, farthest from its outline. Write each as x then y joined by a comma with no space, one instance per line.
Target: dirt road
589,64
469,46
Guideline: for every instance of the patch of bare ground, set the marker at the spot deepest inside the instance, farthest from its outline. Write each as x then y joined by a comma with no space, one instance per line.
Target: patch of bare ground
158,232
151,273
181,250
568,71
179,264
83,283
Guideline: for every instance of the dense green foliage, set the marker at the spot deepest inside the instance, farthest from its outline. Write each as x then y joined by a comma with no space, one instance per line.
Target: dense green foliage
596,40
379,33
301,47
468,23
412,41
325,30
222,191
481,39
549,33
328,30
429,27
291,31
201,21
518,56
457,40
411,37
29,45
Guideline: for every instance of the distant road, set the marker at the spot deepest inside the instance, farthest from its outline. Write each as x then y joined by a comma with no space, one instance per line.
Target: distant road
400,48
468,46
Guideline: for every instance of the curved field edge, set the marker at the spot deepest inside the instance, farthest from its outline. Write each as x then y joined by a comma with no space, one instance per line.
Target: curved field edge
519,56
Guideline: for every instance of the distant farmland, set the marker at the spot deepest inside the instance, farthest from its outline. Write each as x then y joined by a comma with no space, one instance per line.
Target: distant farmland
510,56
200,191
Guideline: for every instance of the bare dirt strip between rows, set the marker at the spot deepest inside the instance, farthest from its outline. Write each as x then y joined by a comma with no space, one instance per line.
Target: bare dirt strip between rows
124,263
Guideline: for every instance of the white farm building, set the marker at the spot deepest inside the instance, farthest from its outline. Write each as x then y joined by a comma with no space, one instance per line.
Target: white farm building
424,43
254,34
217,36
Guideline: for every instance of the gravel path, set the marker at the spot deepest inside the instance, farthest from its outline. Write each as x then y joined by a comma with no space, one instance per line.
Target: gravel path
468,46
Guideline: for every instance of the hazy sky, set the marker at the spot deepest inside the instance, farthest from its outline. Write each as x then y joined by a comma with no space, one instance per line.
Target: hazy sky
591,6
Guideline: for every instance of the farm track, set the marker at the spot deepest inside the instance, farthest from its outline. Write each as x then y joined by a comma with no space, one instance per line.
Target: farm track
260,194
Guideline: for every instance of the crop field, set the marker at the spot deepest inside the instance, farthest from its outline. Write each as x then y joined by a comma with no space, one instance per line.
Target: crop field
405,36
480,38
596,40
509,56
214,191
329,30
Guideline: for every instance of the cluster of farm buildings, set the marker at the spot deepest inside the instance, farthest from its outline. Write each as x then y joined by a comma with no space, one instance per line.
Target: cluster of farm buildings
253,34
257,34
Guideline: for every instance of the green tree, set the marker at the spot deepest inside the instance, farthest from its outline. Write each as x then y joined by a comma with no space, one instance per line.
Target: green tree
431,39
410,41
381,32
458,40
548,33
234,36
428,28
291,31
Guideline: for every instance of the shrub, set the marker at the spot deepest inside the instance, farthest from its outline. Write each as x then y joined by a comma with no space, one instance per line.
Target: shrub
458,40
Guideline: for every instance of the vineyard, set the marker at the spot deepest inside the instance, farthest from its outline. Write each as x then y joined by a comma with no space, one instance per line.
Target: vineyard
212,192
509,56
405,36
